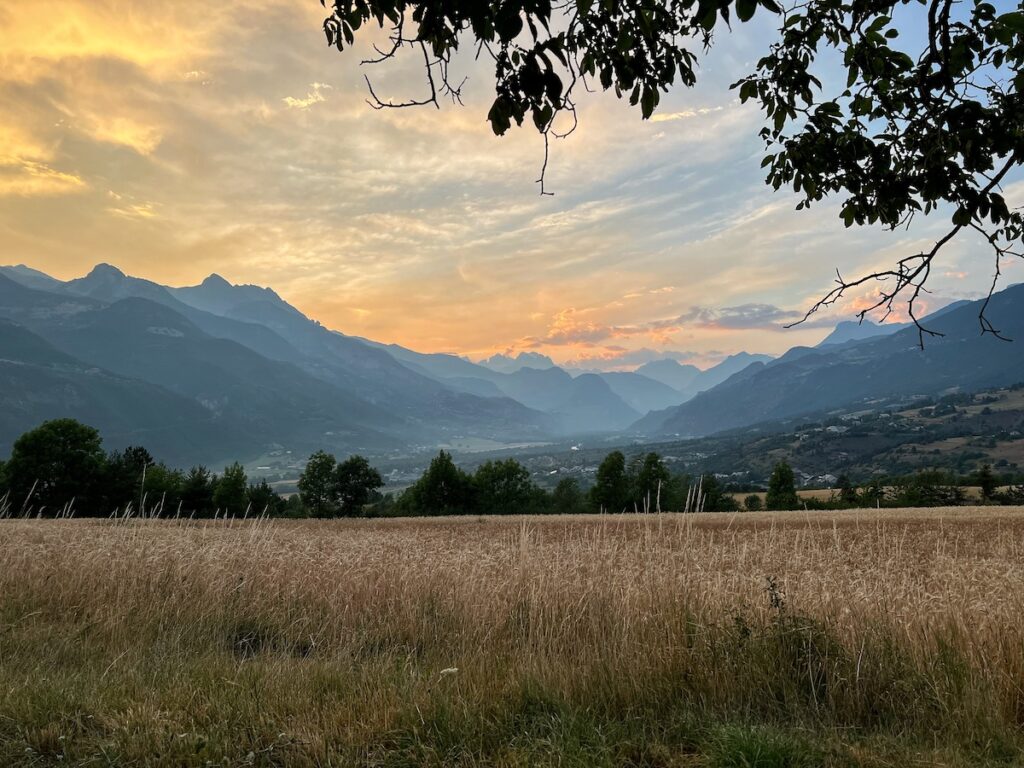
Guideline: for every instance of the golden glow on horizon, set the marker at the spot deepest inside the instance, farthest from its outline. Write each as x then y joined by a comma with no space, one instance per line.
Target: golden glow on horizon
179,139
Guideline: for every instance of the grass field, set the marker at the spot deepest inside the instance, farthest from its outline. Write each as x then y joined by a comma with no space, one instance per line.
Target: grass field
971,492
872,638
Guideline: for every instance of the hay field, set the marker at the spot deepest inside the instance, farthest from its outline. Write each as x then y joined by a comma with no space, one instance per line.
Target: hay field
874,638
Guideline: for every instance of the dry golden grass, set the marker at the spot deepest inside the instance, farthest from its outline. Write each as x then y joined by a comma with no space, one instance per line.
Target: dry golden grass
971,493
617,640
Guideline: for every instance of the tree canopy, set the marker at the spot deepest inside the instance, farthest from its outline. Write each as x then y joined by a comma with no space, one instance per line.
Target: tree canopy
922,122
782,488
58,464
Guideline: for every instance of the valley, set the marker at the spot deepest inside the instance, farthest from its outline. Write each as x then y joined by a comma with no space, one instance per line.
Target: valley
241,374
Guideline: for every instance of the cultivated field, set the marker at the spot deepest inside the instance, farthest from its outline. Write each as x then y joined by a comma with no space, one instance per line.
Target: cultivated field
875,638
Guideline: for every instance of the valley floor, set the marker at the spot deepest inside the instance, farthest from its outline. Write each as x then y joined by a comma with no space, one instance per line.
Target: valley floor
863,638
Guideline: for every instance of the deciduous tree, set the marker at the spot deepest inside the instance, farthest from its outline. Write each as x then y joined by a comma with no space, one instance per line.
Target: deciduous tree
230,494
56,464
651,481
355,481
782,488
503,488
611,486
317,486
444,489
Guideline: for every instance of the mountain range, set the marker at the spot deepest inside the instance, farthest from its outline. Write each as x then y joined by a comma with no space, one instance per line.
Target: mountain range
216,371
858,372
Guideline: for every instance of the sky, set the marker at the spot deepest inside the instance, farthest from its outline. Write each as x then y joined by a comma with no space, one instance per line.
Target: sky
178,139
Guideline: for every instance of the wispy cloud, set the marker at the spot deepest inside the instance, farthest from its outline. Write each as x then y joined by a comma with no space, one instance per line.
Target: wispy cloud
666,117
314,96
745,316
227,151
25,178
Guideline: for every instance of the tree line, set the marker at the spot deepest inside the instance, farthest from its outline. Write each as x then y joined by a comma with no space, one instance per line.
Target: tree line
504,487
60,468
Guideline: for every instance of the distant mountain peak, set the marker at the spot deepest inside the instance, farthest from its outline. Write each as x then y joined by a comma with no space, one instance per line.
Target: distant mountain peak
508,364
670,372
858,330
108,283
30,278
105,270
215,281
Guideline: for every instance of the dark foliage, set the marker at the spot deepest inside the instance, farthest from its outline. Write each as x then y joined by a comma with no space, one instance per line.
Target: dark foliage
59,464
611,491
444,489
782,489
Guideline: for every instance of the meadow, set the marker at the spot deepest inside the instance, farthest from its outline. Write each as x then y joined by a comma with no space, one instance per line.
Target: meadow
860,638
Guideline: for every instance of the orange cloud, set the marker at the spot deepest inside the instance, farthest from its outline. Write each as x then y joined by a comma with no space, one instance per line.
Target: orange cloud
24,178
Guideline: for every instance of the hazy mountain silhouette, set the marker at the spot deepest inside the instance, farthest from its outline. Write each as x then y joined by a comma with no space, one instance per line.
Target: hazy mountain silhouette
109,284
217,295
577,406
30,278
582,404
267,325
806,380
690,380
670,372
39,382
235,368
367,370
147,341
640,392
506,364
851,330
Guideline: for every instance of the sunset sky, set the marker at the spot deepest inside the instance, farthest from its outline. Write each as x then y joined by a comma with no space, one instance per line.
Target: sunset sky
183,138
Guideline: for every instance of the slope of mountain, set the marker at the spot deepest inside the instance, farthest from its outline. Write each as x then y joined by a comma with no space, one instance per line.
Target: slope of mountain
578,406
368,370
716,374
808,381
30,278
39,382
851,330
218,296
436,365
147,341
670,372
108,284
641,393
20,303
690,380
440,393
259,319
475,386
592,406
346,396
582,404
